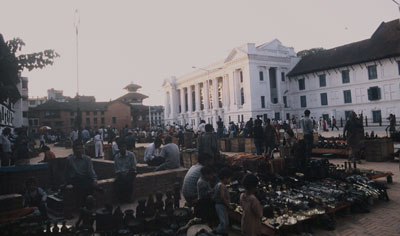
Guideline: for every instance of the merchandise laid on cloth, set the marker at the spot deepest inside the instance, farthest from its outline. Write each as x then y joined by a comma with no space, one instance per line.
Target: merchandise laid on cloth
294,203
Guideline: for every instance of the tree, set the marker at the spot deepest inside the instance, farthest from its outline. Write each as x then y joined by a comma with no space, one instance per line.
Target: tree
309,52
12,63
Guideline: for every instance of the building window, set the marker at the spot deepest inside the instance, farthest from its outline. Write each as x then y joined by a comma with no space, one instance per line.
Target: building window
376,116
88,121
345,76
25,114
36,122
347,96
24,84
241,76
283,76
398,67
303,101
262,101
193,99
242,118
372,74
59,123
277,115
347,114
324,99
30,123
242,96
114,120
322,80
102,113
302,84
95,120
72,113
238,118
285,101
95,113
32,103
102,120
88,113
374,93
261,76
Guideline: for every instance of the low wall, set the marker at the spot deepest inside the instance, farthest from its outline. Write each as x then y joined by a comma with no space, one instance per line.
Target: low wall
12,178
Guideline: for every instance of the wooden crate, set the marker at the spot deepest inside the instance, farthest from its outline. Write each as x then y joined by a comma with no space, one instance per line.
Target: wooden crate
249,145
224,145
107,149
237,145
189,158
378,150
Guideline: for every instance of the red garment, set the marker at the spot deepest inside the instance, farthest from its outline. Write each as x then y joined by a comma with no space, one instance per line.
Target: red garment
49,155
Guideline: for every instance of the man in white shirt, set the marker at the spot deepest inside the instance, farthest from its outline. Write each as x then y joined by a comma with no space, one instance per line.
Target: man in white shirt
98,145
152,153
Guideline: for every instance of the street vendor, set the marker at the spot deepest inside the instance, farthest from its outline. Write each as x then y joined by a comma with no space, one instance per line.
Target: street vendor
79,172
354,132
208,143
152,153
308,131
125,171
34,196
189,188
171,155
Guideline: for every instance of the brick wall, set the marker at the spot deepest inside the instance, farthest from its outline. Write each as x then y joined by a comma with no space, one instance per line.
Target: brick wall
121,111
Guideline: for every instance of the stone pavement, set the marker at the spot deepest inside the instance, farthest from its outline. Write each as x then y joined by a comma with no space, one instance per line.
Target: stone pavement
384,217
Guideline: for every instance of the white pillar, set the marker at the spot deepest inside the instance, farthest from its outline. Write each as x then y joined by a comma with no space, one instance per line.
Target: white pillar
215,95
182,100
197,97
206,96
268,95
190,104
278,85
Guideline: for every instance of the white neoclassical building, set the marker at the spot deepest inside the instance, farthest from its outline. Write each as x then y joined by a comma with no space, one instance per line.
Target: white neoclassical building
250,81
363,77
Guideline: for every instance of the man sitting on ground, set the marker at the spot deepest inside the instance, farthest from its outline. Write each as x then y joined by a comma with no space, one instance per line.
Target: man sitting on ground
125,171
152,153
170,154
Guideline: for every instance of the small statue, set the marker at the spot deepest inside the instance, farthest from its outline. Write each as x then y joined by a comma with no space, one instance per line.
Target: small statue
140,209
118,218
159,202
56,229
169,203
177,195
150,210
129,217
87,215
64,228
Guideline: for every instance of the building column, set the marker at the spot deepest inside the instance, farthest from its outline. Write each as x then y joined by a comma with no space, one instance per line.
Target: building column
197,96
268,101
206,96
182,100
278,85
215,95
190,104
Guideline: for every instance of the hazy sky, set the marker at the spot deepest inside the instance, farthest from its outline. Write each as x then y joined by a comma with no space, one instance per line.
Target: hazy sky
147,41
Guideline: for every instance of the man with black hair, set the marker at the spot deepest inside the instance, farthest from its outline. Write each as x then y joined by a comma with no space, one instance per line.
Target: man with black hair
152,153
208,143
308,130
79,172
125,171
269,137
34,196
189,188
249,128
171,155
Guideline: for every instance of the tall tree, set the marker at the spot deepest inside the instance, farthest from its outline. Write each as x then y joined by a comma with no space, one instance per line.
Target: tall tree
12,63
308,52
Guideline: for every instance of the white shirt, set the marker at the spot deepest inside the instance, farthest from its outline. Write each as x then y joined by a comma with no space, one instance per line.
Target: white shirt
114,148
97,138
151,152
202,128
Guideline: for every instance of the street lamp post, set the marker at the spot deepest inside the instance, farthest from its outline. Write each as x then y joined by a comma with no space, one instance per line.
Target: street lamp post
78,111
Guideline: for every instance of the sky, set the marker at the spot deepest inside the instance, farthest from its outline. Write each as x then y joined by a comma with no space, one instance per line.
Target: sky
147,41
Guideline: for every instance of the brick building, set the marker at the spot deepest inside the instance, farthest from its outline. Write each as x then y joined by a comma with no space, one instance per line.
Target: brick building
61,116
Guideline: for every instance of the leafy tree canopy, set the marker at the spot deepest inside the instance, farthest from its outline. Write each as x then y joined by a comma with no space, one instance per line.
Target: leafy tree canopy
12,63
308,52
